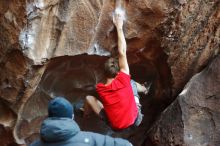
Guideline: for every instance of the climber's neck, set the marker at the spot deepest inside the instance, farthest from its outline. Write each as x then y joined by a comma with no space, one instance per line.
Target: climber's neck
109,81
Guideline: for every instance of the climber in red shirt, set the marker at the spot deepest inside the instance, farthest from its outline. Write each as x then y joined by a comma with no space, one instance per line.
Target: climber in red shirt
119,104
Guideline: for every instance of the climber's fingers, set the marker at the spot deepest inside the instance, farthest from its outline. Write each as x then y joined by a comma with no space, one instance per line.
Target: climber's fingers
117,20
118,17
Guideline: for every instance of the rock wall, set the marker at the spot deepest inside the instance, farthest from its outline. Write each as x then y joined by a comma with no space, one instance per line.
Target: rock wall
192,40
168,42
193,119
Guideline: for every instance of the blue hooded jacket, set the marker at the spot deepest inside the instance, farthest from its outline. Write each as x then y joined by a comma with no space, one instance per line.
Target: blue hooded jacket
66,132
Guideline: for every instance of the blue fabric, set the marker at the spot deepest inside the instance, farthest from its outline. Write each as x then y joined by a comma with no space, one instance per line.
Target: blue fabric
58,129
66,132
134,88
60,107
140,115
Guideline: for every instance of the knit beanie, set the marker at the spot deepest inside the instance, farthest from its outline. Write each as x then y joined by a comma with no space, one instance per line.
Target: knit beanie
60,107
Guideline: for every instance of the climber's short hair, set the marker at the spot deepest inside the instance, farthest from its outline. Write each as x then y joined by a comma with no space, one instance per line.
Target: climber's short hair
111,67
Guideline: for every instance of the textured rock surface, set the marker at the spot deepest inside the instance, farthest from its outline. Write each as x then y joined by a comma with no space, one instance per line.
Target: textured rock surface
6,136
13,65
193,119
192,40
168,42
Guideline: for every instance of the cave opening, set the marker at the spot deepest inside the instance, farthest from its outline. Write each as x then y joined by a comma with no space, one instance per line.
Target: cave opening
74,77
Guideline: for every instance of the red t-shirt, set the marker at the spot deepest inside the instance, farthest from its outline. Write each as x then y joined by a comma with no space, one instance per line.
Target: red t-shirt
118,101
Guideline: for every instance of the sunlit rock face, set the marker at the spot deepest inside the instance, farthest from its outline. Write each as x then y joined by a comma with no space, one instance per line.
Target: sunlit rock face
193,119
58,47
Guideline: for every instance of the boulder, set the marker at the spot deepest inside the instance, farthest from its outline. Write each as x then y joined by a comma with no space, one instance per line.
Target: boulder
43,40
193,119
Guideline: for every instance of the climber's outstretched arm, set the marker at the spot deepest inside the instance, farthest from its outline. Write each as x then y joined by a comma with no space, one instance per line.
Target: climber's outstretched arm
122,46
